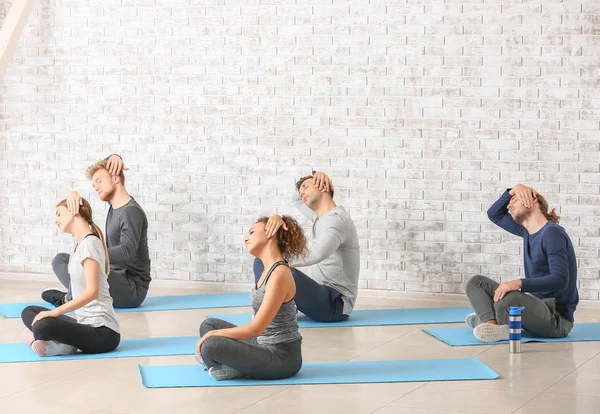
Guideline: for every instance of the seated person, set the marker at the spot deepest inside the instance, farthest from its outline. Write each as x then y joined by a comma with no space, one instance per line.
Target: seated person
126,238
96,329
334,255
269,347
549,289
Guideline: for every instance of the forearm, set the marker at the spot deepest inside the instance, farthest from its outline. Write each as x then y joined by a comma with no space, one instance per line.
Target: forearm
121,254
80,301
499,209
312,258
550,283
319,251
499,215
303,208
239,332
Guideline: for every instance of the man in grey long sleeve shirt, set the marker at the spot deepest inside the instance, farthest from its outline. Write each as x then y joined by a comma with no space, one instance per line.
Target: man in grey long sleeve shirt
126,239
334,256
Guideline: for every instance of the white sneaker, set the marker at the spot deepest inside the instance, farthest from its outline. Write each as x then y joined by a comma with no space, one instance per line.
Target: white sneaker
52,348
472,320
224,372
488,332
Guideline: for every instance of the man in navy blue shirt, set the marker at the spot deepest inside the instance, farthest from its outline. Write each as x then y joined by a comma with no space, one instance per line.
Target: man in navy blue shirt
549,290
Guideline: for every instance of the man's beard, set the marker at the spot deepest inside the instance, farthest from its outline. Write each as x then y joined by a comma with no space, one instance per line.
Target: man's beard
107,195
524,215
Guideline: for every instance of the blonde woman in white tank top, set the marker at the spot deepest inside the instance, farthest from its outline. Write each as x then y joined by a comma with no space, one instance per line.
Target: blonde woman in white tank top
96,327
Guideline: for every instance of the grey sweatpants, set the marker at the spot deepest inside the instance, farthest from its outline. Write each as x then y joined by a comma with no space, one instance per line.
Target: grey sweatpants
257,361
539,317
126,293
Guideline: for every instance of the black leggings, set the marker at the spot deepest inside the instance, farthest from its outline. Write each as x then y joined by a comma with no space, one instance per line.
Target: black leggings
66,330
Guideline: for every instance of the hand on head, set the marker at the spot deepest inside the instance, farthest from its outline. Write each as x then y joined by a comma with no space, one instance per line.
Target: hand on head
115,165
74,200
322,182
273,225
525,195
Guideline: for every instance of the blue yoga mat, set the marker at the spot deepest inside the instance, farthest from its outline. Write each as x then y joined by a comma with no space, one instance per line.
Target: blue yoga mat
353,372
156,303
464,336
374,317
135,347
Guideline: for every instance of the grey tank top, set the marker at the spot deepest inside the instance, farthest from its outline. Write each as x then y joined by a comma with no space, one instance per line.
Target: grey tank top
284,327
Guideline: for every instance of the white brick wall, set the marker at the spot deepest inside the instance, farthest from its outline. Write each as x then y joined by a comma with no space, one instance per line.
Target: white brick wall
421,111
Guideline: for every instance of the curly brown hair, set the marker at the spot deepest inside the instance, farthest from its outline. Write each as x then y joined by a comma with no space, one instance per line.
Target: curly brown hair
291,242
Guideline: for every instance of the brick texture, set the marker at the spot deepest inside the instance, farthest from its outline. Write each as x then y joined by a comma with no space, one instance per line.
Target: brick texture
422,112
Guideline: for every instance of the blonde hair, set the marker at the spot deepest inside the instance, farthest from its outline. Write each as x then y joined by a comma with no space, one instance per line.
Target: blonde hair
85,212
551,216
101,165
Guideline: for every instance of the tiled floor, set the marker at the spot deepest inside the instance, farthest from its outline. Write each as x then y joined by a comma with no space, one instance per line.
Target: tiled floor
545,378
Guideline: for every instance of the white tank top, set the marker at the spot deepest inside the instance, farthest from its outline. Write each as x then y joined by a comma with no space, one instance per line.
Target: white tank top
99,312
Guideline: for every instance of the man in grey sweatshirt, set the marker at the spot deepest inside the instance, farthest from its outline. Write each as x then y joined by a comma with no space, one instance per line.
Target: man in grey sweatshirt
334,255
126,239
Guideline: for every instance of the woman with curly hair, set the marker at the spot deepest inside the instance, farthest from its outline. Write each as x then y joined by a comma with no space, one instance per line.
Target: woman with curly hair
269,347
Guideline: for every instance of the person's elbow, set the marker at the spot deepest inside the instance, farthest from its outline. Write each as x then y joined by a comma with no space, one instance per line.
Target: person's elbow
128,251
93,293
562,281
256,328
491,213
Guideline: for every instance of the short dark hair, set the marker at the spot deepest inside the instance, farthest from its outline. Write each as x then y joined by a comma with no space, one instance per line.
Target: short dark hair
308,177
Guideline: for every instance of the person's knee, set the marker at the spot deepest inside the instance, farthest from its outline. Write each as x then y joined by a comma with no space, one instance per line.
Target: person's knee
258,264
207,325
25,313
513,298
27,316
211,347
503,305
42,328
258,268
60,261
476,282
30,312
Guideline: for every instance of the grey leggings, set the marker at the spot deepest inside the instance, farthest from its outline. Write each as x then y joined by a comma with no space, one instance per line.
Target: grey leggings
539,317
257,361
126,293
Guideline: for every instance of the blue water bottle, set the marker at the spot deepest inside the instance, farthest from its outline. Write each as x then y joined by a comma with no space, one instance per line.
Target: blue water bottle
514,326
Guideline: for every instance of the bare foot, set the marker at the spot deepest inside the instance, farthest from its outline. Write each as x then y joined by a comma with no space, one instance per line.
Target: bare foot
28,337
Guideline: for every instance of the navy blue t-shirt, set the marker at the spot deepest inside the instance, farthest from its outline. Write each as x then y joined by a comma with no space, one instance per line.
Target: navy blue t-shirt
549,259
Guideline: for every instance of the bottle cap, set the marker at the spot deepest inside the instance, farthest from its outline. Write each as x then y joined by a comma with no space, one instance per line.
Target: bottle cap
515,311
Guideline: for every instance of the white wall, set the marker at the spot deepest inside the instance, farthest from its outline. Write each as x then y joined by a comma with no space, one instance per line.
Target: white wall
422,112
